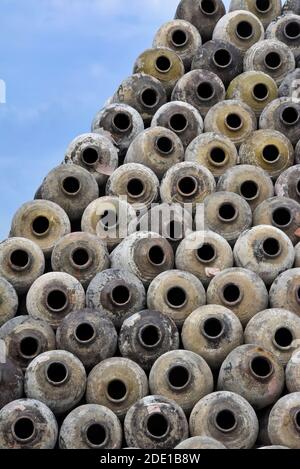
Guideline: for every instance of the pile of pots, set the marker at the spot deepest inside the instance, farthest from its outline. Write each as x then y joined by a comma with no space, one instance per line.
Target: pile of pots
150,293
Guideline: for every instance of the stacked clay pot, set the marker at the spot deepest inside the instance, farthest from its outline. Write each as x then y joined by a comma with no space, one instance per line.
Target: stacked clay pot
150,293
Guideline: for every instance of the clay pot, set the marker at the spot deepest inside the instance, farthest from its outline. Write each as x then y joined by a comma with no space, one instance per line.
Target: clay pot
286,29
81,255
110,218
200,88
288,184
271,57
187,183
157,148
200,442
265,10
283,115
225,213
212,332
94,152
285,291
255,88
26,339
56,378
71,187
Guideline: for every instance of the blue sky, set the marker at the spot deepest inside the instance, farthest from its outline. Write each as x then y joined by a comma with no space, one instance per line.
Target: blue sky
61,60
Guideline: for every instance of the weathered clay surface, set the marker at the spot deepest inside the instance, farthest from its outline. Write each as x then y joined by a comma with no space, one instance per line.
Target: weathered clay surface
147,335
140,424
207,420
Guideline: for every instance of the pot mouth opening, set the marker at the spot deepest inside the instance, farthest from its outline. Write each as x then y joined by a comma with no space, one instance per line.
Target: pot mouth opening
273,60
282,217
226,421
234,122
292,30
205,91
271,247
